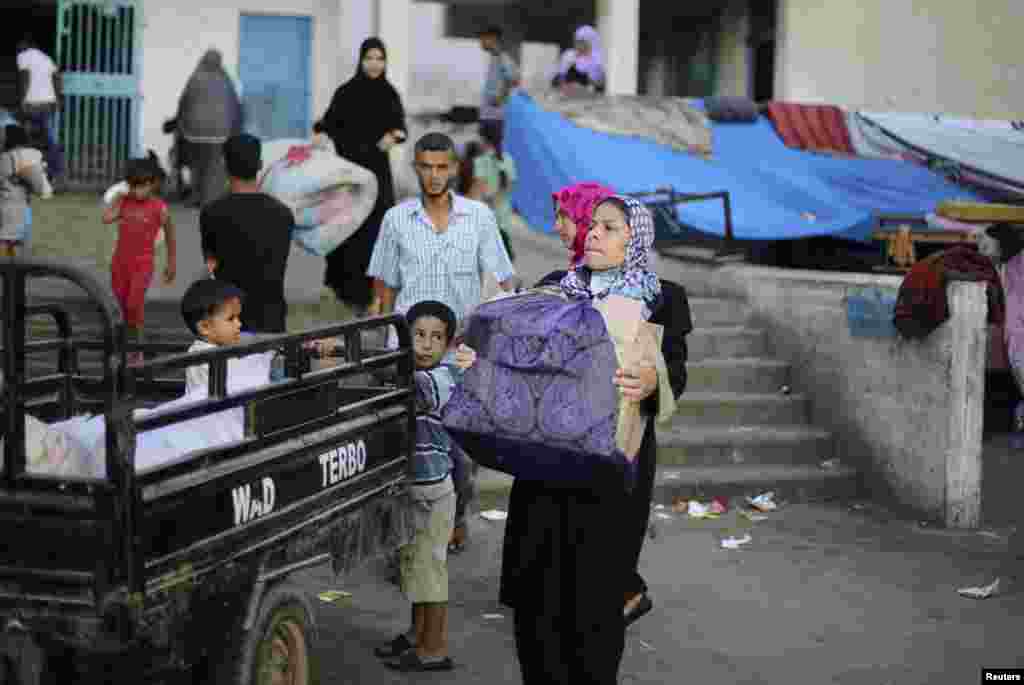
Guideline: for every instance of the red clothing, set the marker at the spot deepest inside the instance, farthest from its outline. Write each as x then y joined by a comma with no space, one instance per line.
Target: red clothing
921,304
137,230
132,265
130,279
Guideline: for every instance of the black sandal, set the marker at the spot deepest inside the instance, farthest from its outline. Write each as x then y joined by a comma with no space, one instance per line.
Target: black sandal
410,662
642,608
396,648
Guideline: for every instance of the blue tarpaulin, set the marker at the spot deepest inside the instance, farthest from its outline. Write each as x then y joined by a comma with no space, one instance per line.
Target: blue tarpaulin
776,192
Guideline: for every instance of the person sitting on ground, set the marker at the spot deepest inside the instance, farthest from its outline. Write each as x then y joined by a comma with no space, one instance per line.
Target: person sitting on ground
21,175
583,65
424,562
140,215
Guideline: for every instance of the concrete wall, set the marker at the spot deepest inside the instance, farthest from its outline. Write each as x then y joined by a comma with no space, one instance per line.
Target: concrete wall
907,413
927,55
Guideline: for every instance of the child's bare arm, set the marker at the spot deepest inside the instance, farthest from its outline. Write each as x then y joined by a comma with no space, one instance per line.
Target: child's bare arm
112,212
465,356
170,271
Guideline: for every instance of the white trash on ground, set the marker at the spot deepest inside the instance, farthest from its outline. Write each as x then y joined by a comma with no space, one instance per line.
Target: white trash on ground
736,543
980,592
494,515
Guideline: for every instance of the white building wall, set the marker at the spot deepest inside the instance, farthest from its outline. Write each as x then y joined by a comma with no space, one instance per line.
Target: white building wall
176,33
444,71
926,55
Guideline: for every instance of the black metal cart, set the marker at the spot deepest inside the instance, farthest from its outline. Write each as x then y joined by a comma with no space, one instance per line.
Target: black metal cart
184,568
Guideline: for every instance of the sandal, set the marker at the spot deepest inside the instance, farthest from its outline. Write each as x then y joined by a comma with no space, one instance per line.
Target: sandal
456,547
642,608
410,662
396,648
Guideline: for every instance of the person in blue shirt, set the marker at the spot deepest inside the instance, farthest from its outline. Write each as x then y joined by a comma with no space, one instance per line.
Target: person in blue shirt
424,562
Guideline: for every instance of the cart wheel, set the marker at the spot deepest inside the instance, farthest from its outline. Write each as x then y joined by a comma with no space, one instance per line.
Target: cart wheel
279,648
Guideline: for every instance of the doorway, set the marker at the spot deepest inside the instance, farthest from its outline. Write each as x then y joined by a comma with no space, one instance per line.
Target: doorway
274,59
762,41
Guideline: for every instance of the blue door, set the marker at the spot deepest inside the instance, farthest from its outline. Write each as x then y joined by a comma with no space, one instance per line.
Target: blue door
274,67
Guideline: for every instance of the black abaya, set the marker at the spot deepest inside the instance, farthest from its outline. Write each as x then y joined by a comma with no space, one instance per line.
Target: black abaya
361,112
570,556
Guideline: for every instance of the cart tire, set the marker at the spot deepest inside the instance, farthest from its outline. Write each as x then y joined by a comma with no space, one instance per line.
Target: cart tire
279,650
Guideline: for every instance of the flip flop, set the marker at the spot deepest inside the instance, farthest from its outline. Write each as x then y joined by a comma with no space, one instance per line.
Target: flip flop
456,547
396,648
410,662
640,610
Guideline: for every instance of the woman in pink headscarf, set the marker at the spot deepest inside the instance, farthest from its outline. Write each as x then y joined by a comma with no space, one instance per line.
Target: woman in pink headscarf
574,210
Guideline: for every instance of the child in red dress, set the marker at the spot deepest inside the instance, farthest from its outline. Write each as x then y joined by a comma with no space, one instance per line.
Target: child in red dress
140,214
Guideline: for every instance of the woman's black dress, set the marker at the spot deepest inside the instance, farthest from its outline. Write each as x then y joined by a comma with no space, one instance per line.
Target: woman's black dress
361,112
570,556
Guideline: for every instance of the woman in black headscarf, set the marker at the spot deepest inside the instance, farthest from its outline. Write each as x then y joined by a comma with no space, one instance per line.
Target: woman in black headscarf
364,121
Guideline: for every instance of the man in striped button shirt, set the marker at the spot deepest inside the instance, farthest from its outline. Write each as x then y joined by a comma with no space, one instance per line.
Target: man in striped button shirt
437,246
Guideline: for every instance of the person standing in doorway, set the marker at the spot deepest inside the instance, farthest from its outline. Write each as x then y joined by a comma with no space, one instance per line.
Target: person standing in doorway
40,93
364,121
502,79
246,237
209,112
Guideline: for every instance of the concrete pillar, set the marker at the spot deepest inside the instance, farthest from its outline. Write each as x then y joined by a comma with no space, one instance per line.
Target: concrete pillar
618,21
393,28
968,311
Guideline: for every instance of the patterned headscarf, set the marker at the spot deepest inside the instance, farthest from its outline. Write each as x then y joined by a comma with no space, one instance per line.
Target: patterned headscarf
633,279
577,202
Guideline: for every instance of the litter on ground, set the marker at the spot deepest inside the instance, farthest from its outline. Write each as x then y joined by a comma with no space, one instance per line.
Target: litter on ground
493,617
494,515
698,510
751,516
735,543
763,502
980,592
331,596
663,516
830,464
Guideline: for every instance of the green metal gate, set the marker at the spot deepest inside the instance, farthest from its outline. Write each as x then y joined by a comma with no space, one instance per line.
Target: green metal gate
98,51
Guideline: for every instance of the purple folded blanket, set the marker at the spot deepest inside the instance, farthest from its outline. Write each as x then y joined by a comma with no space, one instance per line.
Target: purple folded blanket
540,403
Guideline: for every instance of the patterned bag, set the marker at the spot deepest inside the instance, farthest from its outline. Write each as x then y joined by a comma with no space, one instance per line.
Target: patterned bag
540,402
329,196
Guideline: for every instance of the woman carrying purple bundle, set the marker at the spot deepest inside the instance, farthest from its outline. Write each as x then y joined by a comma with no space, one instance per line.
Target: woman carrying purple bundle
570,555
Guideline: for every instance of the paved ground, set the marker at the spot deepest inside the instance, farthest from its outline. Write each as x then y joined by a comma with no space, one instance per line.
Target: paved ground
821,595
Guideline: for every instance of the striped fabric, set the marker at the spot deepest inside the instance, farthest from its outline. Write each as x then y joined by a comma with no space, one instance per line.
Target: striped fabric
421,264
432,458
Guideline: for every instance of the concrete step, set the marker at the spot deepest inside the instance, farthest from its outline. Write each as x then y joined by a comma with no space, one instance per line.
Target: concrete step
735,409
726,343
790,483
751,445
745,374
710,312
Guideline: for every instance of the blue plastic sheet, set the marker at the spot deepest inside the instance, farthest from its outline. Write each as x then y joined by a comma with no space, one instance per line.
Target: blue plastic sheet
776,192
